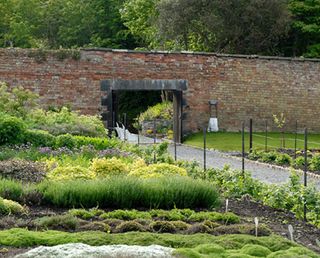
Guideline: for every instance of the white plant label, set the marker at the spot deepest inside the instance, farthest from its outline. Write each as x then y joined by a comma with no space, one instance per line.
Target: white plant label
290,228
256,222
227,205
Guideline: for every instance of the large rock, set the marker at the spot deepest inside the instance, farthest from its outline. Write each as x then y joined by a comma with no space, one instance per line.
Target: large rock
82,250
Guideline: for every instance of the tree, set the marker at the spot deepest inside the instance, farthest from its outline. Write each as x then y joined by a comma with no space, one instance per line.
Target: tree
233,26
139,16
305,32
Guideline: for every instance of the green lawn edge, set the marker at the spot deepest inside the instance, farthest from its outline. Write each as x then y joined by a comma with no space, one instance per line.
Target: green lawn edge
231,141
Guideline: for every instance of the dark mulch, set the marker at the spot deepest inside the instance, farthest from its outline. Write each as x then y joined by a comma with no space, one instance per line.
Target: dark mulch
278,221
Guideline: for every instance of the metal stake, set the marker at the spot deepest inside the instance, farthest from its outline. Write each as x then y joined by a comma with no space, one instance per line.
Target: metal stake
175,149
305,170
204,149
295,140
250,138
266,138
154,140
243,151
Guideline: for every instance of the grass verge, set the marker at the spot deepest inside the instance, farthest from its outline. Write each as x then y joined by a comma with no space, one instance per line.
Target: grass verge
228,141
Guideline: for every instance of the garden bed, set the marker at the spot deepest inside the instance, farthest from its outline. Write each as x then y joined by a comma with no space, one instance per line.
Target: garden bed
58,188
272,221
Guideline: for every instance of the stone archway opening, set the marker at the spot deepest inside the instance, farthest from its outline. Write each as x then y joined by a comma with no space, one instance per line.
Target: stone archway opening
110,87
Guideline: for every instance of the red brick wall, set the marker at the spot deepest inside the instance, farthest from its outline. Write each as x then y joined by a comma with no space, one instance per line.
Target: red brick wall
246,87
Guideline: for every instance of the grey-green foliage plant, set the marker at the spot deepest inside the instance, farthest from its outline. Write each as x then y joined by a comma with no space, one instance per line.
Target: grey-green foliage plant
127,192
16,101
65,121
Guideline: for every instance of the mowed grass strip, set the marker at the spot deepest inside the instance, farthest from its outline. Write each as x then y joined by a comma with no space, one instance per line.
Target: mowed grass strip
229,141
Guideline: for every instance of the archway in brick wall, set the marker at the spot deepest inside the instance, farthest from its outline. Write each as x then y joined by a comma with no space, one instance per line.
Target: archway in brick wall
110,87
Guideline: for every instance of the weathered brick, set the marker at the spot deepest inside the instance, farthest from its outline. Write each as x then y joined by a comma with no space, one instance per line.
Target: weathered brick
245,87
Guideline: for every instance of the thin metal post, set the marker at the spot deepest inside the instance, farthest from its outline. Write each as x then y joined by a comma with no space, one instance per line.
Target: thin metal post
243,152
305,170
295,140
138,134
175,149
204,149
266,138
250,132
154,139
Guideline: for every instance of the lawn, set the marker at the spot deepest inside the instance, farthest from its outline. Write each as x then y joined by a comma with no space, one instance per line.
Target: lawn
228,141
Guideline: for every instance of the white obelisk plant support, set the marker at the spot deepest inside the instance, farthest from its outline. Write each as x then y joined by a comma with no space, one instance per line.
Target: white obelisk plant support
227,204
256,222
290,228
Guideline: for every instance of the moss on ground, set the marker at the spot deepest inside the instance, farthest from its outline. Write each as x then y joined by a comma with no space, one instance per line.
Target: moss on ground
198,245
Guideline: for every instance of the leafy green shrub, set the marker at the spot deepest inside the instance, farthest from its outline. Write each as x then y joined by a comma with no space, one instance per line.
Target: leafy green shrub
39,138
174,214
162,110
65,140
235,183
109,167
283,159
65,121
128,226
10,207
81,213
129,192
17,102
268,157
299,162
97,142
96,226
162,227
227,217
180,225
70,173
158,170
66,222
12,129
126,215
210,224
315,163
23,170
255,154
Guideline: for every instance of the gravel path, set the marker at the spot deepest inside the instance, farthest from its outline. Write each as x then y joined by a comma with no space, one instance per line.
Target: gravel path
264,172
215,159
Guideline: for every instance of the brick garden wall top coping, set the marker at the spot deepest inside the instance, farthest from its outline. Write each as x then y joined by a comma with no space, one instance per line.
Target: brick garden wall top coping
299,59
151,52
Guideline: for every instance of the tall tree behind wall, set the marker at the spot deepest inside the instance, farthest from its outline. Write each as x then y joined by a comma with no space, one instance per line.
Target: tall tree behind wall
231,26
305,32
63,23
